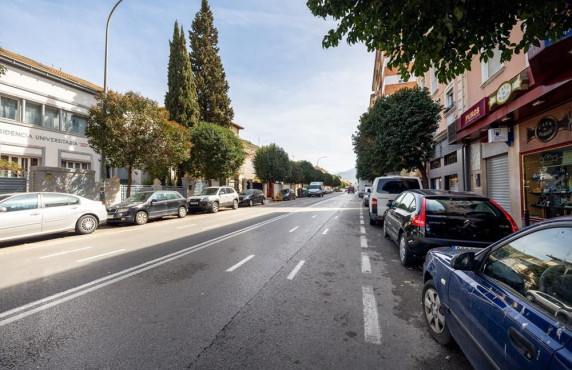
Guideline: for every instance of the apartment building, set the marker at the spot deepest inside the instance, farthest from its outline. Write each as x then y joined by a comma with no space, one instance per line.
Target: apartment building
385,80
506,131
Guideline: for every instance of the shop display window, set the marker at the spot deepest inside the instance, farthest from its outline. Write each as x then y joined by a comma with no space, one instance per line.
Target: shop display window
548,182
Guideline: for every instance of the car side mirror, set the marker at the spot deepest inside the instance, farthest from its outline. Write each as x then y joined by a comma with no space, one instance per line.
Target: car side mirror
153,201
3,209
464,261
389,204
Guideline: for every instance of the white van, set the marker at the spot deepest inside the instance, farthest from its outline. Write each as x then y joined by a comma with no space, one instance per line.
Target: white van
386,188
316,189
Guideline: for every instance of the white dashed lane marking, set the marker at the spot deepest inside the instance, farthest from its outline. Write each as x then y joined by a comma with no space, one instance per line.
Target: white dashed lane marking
296,269
240,263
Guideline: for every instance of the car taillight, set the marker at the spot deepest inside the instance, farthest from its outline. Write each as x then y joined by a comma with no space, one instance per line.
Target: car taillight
374,202
421,219
512,223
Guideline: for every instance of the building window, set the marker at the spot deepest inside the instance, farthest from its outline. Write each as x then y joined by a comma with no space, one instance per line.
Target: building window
450,158
76,165
52,118
437,183
449,99
8,108
33,114
74,123
491,66
435,163
452,183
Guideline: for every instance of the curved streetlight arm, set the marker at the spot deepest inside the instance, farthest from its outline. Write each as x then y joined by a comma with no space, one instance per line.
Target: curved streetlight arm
318,161
106,38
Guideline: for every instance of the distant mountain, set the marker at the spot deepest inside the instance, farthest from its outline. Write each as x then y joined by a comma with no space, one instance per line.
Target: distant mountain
348,175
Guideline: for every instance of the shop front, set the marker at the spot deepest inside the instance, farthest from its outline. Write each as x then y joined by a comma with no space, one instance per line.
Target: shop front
546,161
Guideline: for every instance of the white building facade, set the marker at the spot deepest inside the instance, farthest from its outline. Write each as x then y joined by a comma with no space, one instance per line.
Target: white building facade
43,116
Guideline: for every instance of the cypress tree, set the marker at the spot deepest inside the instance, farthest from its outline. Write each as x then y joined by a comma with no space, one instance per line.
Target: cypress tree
212,87
181,97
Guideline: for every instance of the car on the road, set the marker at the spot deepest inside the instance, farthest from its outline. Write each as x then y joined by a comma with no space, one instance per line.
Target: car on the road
249,197
418,220
147,205
386,188
316,189
506,306
366,196
30,214
211,199
288,194
351,190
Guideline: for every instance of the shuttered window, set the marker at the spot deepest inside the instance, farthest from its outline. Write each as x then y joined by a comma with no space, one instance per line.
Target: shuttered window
498,182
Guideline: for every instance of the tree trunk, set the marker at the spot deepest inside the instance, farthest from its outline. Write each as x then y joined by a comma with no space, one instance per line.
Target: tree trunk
129,179
424,178
210,182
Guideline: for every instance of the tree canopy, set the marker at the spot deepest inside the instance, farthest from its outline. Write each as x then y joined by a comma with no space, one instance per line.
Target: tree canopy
216,152
296,174
212,86
443,34
271,164
397,134
135,133
181,96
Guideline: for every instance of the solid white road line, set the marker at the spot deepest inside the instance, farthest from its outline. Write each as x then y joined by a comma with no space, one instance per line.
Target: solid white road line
65,252
210,227
363,241
365,264
296,269
240,263
314,216
182,227
372,331
62,297
362,229
325,232
294,229
361,222
101,255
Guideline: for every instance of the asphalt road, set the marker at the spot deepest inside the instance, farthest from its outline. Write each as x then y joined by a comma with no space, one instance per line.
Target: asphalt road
305,284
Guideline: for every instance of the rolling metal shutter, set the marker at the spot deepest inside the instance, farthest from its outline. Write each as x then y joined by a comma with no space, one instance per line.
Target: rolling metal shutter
498,187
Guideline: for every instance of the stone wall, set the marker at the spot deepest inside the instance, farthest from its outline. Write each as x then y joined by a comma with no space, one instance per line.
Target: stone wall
64,180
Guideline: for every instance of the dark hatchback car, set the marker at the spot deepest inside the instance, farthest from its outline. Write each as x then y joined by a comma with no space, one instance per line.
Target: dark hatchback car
250,197
418,220
508,306
146,205
288,194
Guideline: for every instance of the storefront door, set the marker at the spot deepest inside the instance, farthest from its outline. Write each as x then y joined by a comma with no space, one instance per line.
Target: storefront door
498,186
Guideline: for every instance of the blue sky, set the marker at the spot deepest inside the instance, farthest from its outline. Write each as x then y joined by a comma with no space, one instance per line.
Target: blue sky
284,87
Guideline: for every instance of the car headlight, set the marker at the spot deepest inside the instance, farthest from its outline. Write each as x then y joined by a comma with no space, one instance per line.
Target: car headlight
205,199
122,210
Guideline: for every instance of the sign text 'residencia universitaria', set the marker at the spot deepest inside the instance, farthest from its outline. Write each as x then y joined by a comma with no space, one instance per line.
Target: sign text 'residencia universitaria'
25,135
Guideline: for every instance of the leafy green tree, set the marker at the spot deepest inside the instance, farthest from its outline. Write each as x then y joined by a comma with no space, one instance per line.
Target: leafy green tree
296,174
337,182
328,179
271,164
212,86
134,133
308,170
401,128
216,152
181,97
443,34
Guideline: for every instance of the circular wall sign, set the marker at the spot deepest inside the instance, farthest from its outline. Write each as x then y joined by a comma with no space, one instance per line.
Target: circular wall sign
503,92
546,129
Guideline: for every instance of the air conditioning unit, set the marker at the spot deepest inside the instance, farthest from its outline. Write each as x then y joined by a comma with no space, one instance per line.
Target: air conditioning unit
498,135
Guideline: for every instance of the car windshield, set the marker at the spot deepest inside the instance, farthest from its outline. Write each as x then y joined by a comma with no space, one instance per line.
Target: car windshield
209,191
247,192
285,191
139,197
314,186
461,207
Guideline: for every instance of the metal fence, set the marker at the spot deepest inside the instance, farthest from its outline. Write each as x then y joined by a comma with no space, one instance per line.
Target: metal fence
13,185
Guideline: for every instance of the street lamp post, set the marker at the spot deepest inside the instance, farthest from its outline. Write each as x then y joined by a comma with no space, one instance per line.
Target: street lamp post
318,161
103,166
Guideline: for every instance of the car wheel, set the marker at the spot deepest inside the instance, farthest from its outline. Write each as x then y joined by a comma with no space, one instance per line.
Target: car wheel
404,254
250,204
214,207
434,314
182,212
263,200
141,218
235,204
385,233
86,224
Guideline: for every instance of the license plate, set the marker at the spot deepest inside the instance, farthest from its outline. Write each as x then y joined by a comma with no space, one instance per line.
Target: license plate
110,215
194,203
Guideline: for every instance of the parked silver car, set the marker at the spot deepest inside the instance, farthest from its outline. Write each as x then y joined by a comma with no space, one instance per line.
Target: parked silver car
29,214
212,198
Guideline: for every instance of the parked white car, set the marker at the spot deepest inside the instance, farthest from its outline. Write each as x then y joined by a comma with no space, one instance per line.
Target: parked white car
212,198
386,188
30,214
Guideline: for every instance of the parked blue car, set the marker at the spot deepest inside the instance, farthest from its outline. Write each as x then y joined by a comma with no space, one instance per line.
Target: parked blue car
508,306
